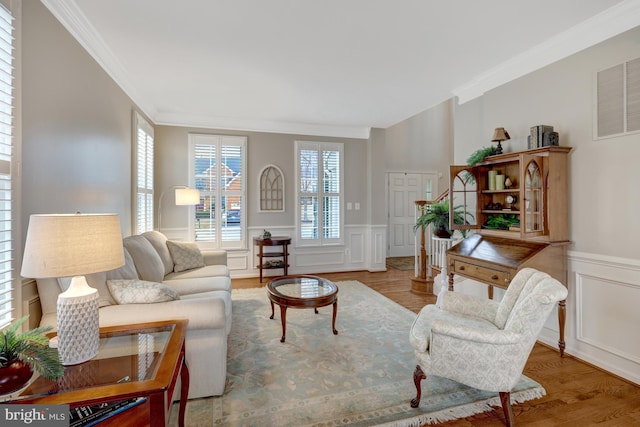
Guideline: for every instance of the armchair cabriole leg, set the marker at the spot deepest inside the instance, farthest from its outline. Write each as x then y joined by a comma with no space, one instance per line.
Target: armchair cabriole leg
418,376
505,399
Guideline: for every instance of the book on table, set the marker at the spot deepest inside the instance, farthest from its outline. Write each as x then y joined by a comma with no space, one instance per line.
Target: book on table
86,416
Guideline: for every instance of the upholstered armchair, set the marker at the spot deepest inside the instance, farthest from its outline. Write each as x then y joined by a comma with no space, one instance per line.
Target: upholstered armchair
484,343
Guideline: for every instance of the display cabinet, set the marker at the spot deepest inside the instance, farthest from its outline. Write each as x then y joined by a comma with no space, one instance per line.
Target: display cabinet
528,202
518,202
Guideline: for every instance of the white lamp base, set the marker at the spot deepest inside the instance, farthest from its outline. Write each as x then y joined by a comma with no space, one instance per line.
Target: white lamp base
78,322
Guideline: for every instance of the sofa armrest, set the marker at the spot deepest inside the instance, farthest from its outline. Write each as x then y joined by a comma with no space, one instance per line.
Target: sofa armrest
215,257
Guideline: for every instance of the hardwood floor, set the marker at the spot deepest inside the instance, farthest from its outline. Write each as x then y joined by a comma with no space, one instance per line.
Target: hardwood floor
578,394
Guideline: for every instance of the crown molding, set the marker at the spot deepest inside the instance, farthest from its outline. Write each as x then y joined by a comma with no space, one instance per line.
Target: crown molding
609,23
255,125
75,21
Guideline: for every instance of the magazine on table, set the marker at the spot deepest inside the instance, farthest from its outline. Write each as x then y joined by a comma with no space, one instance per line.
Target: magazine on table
85,416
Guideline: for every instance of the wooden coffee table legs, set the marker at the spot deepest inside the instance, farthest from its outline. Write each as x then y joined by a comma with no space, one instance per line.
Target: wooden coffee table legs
333,322
283,318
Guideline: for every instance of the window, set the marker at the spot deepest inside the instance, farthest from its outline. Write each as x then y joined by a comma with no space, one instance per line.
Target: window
8,283
217,169
143,173
319,191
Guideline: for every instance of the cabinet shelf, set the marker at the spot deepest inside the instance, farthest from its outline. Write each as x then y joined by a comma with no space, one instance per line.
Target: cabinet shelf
501,211
273,254
506,191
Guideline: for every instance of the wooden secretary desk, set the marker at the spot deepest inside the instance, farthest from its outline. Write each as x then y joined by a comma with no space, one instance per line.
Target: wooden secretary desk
523,223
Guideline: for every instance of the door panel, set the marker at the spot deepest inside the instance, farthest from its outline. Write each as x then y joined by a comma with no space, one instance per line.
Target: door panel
403,190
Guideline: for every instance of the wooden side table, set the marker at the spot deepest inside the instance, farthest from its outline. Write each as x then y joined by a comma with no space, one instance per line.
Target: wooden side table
141,360
282,262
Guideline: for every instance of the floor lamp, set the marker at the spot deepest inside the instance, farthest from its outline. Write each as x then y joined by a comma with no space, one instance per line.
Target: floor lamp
184,196
73,245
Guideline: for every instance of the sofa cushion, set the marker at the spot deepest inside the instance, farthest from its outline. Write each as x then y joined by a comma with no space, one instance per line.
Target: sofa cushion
193,285
204,311
148,263
127,271
140,292
159,242
185,255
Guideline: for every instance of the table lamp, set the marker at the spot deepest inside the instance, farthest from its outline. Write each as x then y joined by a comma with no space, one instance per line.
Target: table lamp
499,135
72,245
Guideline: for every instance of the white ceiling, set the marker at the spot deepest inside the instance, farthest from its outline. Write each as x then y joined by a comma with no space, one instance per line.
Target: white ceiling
326,67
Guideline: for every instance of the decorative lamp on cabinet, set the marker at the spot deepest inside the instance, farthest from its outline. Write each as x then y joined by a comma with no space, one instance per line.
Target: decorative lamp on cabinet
499,135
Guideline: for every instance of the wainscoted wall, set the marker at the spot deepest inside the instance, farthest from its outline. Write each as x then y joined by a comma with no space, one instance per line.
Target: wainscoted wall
31,303
602,313
365,248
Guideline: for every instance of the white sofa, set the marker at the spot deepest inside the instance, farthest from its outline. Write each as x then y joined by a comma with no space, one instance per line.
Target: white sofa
204,299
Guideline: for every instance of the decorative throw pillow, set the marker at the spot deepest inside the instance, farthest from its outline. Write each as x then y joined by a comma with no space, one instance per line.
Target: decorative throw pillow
140,292
185,255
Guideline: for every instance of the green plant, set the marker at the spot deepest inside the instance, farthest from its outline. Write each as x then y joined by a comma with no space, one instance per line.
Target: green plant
30,347
479,155
437,214
501,221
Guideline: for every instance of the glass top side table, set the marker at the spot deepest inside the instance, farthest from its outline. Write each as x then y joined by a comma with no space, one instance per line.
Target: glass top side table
141,360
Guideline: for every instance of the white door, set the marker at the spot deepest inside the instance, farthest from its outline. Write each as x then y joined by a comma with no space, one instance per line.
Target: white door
404,188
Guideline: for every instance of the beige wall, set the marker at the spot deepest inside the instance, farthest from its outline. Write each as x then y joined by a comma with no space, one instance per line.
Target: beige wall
422,143
76,122
172,145
604,183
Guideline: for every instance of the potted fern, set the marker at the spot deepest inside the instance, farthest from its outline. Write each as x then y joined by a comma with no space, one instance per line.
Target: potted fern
21,353
437,215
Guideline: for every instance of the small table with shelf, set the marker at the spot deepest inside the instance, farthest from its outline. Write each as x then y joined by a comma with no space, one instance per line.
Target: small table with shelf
140,360
282,262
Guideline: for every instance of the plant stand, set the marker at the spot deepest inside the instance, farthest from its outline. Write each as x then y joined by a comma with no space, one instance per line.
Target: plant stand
422,283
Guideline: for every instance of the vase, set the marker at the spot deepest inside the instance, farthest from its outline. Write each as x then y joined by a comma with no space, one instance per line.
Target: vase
14,376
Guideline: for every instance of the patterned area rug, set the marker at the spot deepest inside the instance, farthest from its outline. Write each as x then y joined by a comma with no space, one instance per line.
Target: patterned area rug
401,262
360,377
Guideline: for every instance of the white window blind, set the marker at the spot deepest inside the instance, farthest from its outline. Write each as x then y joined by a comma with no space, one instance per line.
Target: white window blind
143,175
7,280
618,99
319,187
217,167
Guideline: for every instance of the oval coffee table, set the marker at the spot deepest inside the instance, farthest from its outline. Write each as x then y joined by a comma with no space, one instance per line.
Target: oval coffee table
302,291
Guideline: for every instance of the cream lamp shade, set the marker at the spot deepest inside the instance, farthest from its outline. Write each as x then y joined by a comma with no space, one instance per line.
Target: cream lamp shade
184,196
72,245
187,196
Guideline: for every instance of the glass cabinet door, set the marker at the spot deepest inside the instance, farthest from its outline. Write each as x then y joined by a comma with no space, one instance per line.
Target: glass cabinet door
533,197
463,197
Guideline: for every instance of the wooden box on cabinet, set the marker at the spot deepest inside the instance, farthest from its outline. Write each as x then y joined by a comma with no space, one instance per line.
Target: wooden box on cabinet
535,206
